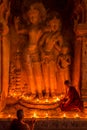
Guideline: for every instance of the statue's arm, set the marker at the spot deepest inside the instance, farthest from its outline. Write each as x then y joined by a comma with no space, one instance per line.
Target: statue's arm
17,28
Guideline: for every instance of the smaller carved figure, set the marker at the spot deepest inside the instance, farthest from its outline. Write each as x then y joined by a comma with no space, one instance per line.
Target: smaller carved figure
63,64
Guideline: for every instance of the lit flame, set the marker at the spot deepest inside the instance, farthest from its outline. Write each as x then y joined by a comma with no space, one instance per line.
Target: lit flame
76,116
14,94
37,100
27,98
57,99
47,101
35,115
64,115
46,115
9,115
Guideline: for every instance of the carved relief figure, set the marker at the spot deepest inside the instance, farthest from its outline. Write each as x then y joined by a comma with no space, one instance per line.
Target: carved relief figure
28,60
19,39
51,40
78,14
36,16
63,64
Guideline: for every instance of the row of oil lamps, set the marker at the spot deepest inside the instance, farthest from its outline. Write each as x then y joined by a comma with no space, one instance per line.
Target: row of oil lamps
46,116
47,100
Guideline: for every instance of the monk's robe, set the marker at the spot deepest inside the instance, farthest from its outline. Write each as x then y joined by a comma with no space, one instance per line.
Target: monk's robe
74,102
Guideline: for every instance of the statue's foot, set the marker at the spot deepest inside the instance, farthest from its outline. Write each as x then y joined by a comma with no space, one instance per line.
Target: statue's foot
53,95
47,95
32,96
40,96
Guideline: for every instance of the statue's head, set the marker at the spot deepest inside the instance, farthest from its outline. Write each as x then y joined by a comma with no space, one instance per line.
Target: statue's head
36,13
54,21
65,50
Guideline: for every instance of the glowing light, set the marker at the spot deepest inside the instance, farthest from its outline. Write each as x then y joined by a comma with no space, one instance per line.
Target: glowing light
64,115
46,115
76,116
57,99
27,98
9,116
37,100
35,115
46,100
62,96
14,94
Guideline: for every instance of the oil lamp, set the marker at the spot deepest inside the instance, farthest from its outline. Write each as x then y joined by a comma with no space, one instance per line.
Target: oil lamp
35,115
9,116
46,115
76,115
64,115
37,100
46,100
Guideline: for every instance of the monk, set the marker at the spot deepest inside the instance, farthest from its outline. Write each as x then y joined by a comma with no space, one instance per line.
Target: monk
19,123
72,99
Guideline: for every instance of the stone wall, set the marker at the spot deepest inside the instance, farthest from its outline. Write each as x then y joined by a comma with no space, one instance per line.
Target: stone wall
82,34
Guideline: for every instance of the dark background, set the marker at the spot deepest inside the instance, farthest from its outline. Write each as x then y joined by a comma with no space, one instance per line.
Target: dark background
64,7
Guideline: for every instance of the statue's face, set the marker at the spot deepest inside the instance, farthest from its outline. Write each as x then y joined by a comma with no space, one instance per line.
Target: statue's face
54,24
34,15
65,50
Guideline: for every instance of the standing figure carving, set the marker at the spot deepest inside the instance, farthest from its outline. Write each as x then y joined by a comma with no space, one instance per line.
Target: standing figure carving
50,41
63,64
36,15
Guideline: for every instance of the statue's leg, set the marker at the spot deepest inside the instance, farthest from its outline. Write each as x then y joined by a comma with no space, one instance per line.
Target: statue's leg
30,76
52,74
45,68
38,78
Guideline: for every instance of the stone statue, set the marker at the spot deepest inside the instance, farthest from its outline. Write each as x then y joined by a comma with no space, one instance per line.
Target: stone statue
51,40
63,64
36,15
29,59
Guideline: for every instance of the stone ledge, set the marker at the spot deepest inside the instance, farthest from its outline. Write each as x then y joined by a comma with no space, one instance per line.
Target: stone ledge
52,124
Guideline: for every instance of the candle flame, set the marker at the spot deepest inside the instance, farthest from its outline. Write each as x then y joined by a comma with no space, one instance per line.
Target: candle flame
9,115
47,101
64,115
37,100
76,116
46,115
34,115
57,99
